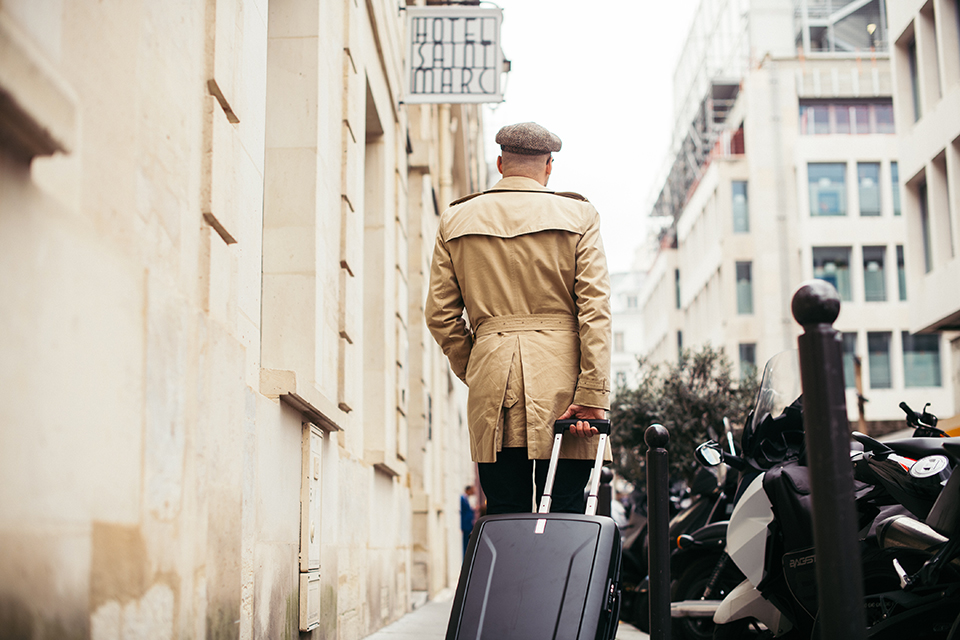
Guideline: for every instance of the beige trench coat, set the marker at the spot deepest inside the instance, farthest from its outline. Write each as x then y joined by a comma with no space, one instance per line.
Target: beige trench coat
529,268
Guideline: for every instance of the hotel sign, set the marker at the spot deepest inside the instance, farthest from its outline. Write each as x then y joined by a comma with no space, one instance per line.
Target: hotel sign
453,55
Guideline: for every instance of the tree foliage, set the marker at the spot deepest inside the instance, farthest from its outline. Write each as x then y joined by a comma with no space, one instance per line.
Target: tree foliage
688,398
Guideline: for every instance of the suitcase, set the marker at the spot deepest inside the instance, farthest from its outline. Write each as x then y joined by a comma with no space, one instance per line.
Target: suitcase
533,576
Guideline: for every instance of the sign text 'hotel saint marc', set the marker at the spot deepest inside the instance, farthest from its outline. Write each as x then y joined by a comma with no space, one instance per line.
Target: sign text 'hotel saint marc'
454,55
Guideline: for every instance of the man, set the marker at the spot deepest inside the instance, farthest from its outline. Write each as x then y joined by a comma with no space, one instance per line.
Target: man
527,265
466,515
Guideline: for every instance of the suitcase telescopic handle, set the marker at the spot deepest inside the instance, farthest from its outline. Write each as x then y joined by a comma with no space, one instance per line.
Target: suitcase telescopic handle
559,428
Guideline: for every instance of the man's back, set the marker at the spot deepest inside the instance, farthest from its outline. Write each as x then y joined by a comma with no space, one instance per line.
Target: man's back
515,252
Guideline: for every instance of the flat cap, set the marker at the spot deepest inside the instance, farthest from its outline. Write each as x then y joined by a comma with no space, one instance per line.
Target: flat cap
527,138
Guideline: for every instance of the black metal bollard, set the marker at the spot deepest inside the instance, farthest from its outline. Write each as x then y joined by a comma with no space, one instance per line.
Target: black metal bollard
658,520
815,306
605,493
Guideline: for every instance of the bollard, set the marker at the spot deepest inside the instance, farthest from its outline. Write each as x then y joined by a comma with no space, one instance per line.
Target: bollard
605,493
658,521
815,306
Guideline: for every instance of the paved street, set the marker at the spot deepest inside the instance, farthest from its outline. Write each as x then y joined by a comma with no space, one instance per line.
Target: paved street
429,622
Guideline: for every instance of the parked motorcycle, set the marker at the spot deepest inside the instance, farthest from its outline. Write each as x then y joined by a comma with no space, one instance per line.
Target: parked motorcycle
701,575
707,500
769,537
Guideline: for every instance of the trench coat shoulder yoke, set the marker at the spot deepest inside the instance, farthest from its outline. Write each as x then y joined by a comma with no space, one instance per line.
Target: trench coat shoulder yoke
566,194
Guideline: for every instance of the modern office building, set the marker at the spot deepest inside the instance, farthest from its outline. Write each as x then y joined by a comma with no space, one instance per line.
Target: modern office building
785,168
925,53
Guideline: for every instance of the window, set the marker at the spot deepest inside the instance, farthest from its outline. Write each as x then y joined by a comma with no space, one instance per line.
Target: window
744,288
676,283
833,265
621,379
679,345
914,77
874,278
895,185
858,117
925,227
868,181
631,302
748,360
828,191
883,114
618,341
901,273
849,360
741,213
921,360
878,356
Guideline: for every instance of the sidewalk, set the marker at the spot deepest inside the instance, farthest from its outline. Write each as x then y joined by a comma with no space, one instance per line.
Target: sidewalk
429,622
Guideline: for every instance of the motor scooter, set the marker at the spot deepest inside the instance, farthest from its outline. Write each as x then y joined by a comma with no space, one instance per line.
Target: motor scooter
769,537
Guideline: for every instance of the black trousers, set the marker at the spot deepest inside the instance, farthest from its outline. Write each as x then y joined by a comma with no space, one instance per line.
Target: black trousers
508,483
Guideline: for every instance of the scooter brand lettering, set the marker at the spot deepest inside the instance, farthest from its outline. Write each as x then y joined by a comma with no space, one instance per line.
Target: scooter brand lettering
801,562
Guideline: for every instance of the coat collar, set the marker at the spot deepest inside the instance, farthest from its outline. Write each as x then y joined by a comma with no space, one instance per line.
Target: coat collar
519,183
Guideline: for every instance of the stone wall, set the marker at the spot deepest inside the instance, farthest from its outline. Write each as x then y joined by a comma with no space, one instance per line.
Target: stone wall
216,218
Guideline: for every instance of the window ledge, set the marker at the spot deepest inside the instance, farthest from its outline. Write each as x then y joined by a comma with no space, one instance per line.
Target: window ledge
283,384
38,111
390,465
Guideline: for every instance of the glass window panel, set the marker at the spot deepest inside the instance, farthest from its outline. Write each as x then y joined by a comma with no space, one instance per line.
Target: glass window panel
925,228
914,78
895,184
741,212
861,113
884,116
868,180
874,278
676,286
821,119
849,353
744,288
618,341
841,113
828,191
833,265
878,357
748,360
901,273
921,360
621,380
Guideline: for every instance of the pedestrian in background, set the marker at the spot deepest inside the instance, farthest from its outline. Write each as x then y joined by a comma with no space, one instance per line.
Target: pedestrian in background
527,264
466,515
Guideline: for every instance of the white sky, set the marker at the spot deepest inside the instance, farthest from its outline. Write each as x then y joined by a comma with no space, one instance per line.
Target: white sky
599,74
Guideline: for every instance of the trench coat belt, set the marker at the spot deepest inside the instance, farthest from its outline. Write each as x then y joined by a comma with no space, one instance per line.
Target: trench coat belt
535,322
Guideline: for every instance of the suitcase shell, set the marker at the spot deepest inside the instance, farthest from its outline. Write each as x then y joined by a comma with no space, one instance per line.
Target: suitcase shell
532,576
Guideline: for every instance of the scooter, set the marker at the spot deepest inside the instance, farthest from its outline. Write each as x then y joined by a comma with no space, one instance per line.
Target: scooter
705,502
769,536
701,574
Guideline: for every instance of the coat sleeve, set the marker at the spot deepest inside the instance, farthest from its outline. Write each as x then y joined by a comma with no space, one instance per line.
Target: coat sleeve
444,311
592,291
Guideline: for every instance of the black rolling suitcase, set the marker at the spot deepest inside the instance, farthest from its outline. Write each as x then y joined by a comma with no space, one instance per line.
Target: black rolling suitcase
542,576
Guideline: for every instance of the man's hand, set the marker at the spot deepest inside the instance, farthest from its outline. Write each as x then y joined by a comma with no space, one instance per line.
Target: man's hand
583,429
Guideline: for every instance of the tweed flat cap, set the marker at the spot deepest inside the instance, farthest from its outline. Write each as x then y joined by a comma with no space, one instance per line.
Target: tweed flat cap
527,138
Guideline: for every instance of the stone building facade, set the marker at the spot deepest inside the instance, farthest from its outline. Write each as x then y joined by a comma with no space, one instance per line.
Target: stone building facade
221,414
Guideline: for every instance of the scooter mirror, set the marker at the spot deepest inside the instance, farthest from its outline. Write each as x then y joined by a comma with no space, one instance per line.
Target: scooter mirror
709,454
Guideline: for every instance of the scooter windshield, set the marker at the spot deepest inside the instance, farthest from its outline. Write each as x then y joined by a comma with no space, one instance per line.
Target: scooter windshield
779,387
